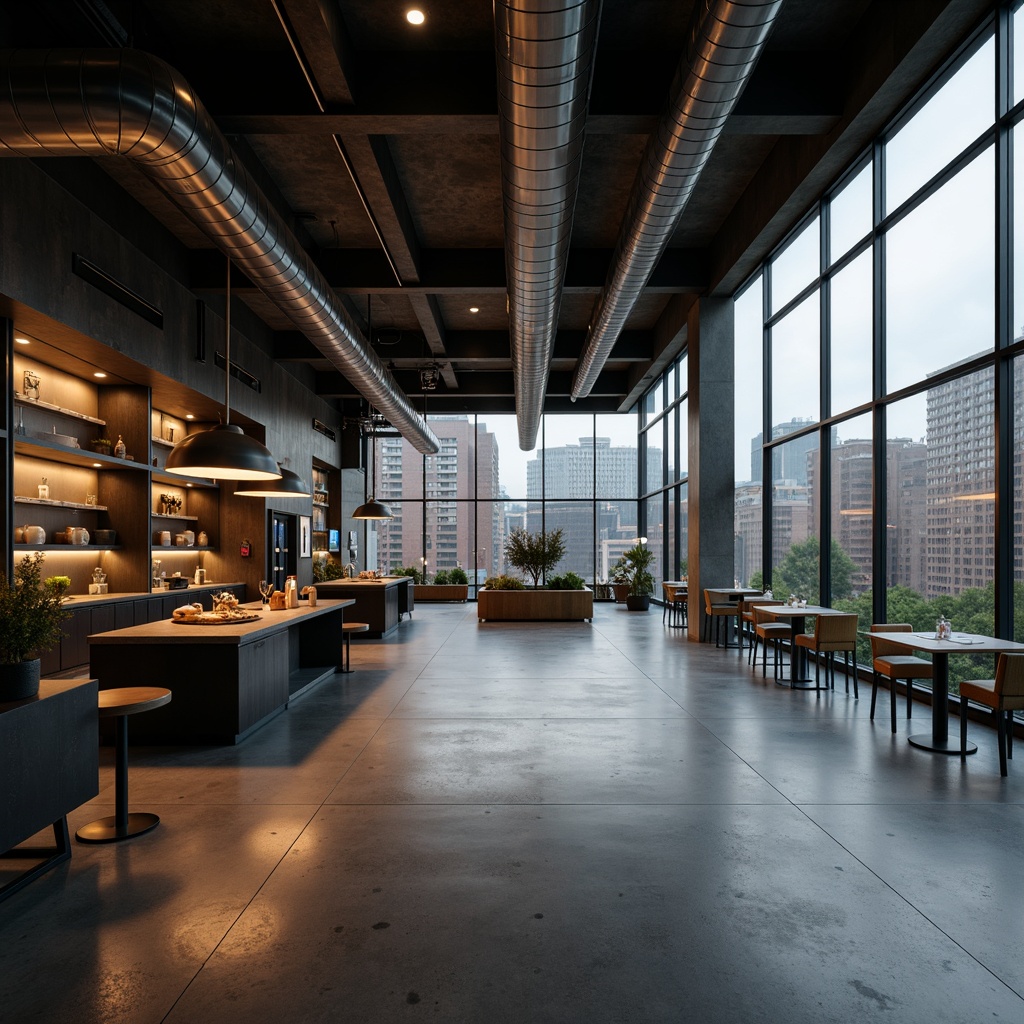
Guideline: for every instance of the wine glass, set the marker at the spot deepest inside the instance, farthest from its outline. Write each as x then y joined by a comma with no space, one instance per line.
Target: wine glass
266,589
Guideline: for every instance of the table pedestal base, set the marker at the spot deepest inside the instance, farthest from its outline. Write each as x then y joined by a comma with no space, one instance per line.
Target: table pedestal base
107,830
925,742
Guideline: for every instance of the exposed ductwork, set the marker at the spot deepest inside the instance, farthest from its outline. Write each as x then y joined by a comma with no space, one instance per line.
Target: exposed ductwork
545,56
725,41
130,104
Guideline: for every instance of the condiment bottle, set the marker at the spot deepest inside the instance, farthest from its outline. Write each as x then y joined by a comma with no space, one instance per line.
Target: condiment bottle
291,593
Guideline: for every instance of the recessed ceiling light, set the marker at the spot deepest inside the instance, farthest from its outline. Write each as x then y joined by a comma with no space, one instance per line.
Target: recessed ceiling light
415,17
97,465
474,309
189,416
99,373
22,341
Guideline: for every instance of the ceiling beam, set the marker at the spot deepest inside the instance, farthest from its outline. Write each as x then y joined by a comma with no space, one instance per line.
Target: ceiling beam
468,347
461,272
318,39
611,383
407,93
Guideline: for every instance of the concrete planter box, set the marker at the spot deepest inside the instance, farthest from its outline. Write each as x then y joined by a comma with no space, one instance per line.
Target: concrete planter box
441,591
534,605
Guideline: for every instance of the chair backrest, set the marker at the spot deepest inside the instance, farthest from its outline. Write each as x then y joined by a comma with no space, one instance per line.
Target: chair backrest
834,629
707,601
882,648
669,592
1010,680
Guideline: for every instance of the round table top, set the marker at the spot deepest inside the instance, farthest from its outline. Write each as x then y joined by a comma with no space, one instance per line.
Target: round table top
129,700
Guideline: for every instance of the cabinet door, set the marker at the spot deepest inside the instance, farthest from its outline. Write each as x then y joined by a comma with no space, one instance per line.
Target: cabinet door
262,679
74,645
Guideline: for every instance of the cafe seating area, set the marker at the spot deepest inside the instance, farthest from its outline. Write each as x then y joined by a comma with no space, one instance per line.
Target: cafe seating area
486,819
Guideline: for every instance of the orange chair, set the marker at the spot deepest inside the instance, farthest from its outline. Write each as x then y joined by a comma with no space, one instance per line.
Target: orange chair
768,631
715,613
893,663
1004,695
832,633
675,604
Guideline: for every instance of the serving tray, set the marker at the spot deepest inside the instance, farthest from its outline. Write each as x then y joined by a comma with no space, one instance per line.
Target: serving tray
218,621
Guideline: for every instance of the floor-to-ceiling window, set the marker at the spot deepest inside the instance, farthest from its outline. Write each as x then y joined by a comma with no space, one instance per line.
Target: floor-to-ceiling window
889,327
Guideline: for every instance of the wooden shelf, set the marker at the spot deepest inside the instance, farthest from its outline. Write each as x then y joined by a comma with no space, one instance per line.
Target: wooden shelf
182,547
49,502
40,449
162,515
34,403
163,442
173,480
67,547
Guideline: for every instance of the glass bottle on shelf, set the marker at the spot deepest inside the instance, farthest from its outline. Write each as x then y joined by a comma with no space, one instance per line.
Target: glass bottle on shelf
44,490
120,450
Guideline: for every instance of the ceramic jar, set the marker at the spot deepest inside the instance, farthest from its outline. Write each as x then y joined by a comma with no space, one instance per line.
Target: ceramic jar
190,538
77,535
203,540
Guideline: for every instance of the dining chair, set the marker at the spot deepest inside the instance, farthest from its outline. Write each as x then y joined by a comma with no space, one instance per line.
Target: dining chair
832,633
715,613
675,604
890,661
1004,695
768,631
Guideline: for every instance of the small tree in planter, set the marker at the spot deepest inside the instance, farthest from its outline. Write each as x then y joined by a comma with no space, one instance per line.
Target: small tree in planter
637,574
534,553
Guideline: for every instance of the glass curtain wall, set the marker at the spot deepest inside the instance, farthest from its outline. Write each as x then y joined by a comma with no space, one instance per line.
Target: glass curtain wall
892,335
455,508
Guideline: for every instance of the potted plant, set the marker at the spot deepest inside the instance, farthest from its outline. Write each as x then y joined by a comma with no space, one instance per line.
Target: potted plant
637,572
447,585
101,445
31,614
620,580
534,553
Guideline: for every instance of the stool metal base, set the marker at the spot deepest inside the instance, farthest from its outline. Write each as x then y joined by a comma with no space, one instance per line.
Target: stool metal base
925,741
107,830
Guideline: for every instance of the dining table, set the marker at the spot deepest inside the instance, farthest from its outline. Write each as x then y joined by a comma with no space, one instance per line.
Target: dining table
797,616
940,650
677,587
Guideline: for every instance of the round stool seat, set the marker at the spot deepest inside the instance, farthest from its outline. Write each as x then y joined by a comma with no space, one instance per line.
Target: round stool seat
347,629
130,700
119,703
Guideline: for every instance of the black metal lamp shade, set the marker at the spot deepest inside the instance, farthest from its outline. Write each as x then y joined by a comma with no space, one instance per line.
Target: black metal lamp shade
373,509
224,452
290,485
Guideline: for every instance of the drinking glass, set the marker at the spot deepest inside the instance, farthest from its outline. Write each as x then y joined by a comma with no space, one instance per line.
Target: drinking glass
266,589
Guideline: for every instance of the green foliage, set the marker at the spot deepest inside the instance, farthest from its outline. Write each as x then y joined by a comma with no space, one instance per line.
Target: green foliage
534,553
325,569
504,582
442,577
637,574
620,571
411,571
799,571
31,611
457,576
567,581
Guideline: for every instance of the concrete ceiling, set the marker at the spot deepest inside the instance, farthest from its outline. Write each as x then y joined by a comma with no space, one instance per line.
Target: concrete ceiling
394,185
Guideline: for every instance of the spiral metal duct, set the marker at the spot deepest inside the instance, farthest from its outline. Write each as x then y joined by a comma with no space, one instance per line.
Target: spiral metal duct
726,38
130,104
545,57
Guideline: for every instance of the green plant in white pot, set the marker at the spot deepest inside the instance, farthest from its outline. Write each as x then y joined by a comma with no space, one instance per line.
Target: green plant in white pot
31,615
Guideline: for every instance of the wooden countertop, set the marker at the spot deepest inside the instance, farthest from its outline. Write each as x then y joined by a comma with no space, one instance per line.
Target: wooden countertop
167,632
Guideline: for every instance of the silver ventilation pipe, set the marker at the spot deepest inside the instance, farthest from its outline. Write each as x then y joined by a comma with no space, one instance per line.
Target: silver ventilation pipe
545,55
726,38
130,104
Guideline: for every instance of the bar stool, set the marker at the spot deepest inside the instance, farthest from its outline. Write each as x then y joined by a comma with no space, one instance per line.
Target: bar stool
347,629
119,703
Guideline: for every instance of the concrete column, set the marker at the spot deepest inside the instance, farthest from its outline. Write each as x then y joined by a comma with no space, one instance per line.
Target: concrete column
710,495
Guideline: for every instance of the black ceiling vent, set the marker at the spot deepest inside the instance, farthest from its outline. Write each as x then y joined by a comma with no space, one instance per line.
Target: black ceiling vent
322,428
242,376
88,271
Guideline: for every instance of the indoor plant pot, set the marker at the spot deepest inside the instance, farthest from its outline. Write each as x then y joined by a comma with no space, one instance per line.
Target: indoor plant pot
31,614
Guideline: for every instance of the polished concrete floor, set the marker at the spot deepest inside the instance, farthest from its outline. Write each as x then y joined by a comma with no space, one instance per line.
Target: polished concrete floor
533,823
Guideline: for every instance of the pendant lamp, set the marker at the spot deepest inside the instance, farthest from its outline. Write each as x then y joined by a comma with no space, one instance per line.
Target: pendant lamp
290,485
224,452
371,508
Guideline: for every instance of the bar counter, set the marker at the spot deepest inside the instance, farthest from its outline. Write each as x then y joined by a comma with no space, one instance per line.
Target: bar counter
226,680
379,603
